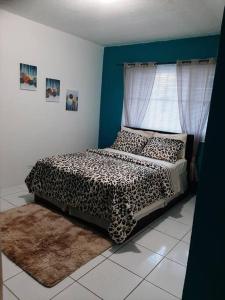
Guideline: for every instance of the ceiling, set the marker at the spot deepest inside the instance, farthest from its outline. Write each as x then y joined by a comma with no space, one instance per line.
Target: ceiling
115,22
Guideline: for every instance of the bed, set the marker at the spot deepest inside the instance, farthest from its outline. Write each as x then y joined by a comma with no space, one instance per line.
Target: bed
110,188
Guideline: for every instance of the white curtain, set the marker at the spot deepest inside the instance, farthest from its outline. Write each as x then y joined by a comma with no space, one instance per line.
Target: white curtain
194,86
163,112
138,83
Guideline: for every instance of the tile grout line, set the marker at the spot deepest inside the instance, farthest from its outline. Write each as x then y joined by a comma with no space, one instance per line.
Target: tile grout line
144,279
9,202
142,231
119,266
152,227
172,259
13,276
108,258
11,291
120,247
160,261
182,265
180,240
134,289
125,268
5,195
171,235
72,278
105,258
174,246
187,234
162,289
22,194
152,284
157,265
164,256
61,290
187,243
172,218
89,290
18,204
76,280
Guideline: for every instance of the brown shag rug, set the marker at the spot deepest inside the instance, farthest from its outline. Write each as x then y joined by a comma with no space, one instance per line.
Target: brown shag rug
47,245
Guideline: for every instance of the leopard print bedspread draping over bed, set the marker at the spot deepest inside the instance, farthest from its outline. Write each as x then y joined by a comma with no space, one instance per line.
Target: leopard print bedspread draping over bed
103,184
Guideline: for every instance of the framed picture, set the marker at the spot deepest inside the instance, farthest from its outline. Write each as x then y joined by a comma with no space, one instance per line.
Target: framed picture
52,90
28,77
72,100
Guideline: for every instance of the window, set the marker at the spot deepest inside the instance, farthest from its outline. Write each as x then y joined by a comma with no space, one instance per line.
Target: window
163,112
152,101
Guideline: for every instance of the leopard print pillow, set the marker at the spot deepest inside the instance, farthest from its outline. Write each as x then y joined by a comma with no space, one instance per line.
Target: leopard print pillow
163,149
130,142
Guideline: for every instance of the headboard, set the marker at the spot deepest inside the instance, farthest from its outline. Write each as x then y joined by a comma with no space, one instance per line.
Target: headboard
189,145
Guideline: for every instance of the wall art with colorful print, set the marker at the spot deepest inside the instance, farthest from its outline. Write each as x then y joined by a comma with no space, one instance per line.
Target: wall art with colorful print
28,77
72,100
52,90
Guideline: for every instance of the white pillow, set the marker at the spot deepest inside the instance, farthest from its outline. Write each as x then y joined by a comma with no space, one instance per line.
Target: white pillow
146,133
177,136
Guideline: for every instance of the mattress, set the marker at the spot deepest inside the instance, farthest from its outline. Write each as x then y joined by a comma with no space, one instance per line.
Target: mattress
178,173
178,179
177,170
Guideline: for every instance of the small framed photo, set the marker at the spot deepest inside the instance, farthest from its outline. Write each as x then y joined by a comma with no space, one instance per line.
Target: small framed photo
28,77
72,100
52,90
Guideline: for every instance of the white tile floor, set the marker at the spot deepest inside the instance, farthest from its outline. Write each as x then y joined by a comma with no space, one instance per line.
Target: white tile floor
150,266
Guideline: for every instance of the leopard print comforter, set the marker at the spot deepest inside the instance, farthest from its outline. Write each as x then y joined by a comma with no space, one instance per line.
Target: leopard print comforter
106,185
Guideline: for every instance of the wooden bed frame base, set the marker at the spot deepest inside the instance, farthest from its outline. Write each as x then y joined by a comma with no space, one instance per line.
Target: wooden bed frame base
142,223
159,212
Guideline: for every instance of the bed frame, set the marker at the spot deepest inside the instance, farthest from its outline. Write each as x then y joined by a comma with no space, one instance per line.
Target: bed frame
143,222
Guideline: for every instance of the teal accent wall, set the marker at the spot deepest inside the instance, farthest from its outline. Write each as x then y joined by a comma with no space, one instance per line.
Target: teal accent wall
112,77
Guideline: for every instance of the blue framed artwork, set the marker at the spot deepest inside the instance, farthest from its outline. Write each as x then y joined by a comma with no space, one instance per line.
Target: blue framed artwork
52,90
28,77
72,100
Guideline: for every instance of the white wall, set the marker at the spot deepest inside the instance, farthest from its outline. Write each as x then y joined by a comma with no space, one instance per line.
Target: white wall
30,127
